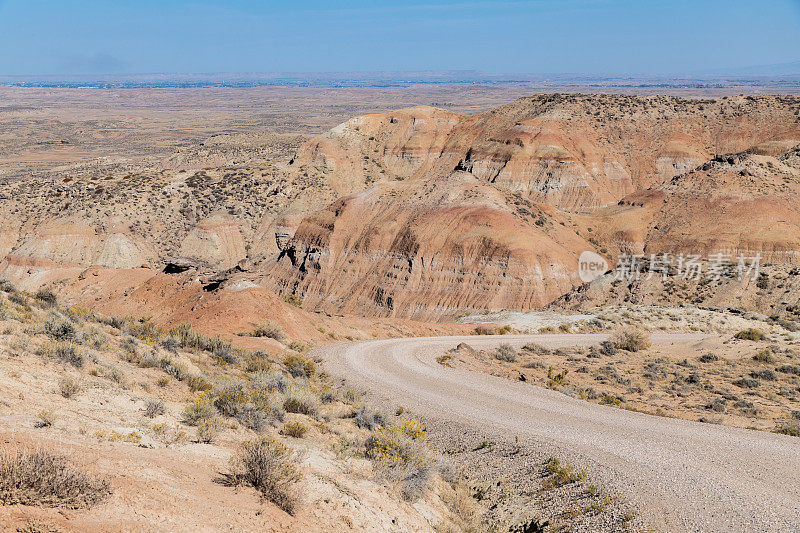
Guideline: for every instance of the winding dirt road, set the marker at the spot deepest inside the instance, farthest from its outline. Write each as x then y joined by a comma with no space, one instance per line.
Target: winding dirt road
684,476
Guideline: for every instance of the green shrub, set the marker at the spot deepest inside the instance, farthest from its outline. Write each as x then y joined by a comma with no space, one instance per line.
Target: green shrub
231,399
610,399
557,379
199,384
789,429
294,300
402,453
200,409
299,366
561,474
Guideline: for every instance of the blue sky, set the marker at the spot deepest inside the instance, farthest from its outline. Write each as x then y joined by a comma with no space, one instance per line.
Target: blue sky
524,36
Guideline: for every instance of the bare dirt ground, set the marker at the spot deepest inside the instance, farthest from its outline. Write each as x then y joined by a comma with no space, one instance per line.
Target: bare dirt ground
721,379
74,384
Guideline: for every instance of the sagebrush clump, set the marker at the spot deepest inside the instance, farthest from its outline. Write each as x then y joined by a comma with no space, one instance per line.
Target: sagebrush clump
631,339
751,334
44,478
506,353
402,454
270,467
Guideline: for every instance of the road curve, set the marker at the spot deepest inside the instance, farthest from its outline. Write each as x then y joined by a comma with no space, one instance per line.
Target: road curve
684,476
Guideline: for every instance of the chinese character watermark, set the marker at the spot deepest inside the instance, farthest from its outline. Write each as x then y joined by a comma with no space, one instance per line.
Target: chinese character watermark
634,267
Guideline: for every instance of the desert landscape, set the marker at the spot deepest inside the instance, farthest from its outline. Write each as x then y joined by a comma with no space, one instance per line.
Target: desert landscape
176,263
428,266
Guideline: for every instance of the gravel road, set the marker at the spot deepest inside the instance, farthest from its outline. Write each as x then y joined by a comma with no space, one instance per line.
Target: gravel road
683,476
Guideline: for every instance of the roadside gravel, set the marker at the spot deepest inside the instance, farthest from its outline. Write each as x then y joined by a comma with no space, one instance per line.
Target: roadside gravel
681,475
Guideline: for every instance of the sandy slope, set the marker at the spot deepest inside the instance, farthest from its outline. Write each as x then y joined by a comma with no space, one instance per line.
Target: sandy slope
685,476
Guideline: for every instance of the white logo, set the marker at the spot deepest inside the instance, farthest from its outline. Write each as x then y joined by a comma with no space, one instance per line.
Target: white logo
591,266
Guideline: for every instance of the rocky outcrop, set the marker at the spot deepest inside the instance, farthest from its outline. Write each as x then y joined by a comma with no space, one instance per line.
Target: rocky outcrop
75,242
736,204
440,247
575,152
216,240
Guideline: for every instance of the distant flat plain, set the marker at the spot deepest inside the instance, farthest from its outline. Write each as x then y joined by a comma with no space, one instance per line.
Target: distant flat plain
85,130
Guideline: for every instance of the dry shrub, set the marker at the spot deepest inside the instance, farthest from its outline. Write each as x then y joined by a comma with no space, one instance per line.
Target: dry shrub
462,506
44,478
154,408
270,467
171,344
46,297
69,387
402,454
256,418
269,329
631,339
751,334
367,418
505,353
294,429
45,419
68,352
491,330
169,435
60,329
302,401
208,429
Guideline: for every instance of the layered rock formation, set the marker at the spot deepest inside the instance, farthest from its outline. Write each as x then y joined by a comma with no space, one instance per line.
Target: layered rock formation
739,204
426,213
442,246
575,152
